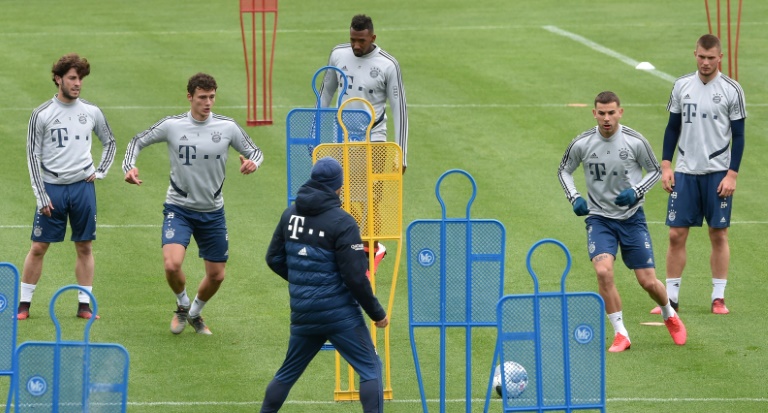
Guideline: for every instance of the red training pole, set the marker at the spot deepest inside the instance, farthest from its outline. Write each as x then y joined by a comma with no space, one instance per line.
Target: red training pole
719,36
259,74
730,59
736,51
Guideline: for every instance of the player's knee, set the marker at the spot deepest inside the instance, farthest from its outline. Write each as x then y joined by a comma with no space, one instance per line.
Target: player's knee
216,278
677,237
84,249
172,267
718,236
604,277
38,249
647,283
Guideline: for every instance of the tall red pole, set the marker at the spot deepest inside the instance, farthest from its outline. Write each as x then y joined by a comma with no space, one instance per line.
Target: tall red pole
259,57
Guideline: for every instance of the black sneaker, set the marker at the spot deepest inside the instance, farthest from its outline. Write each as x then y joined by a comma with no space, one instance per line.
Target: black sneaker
199,325
23,312
84,311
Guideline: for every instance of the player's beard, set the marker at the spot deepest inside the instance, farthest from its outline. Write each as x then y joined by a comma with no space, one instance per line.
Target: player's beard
65,93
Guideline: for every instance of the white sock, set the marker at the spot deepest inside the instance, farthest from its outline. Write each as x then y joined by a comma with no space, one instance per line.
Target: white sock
718,288
27,290
182,298
197,307
82,297
667,311
673,289
617,321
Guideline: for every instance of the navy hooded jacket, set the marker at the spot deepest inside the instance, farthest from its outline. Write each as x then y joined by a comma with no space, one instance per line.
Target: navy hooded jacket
317,248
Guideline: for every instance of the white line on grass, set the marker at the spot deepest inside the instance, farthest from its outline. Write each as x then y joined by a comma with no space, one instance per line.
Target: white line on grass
602,49
410,105
230,32
327,402
98,226
609,400
124,226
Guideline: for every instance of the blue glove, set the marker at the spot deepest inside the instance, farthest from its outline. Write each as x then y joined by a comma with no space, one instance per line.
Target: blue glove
626,197
580,207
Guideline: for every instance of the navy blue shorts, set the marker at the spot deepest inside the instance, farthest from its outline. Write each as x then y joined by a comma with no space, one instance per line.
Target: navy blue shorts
605,236
694,198
208,228
76,202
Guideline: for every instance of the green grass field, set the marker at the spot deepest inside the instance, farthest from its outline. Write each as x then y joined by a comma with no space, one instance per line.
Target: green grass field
494,87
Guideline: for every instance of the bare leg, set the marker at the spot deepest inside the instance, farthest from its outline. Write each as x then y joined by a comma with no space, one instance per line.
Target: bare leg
721,253
214,276
33,264
84,266
173,258
676,253
603,264
646,277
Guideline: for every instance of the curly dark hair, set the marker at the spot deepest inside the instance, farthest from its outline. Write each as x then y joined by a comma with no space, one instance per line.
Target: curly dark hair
68,61
202,81
362,22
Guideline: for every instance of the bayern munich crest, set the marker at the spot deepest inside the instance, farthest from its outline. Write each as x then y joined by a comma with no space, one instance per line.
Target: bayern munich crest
672,215
216,137
374,72
38,231
82,118
169,233
623,154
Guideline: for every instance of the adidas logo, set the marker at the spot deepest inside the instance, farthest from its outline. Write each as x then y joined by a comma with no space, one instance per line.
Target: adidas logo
56,122
593,156
303,252
722,220
687,96
344,68
184,138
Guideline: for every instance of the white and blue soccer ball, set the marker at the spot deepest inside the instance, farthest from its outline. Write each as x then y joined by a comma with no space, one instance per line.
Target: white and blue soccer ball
516,376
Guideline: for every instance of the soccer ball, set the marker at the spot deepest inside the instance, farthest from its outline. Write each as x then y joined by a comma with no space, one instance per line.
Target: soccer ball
517,379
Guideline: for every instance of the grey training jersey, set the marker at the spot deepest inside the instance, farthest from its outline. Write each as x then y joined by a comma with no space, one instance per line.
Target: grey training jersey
707,110
198,153
59,139
610,166
376,78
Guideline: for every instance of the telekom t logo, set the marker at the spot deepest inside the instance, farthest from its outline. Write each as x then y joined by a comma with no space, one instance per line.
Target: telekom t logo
60,135
187,152
597,170
689,111
295,225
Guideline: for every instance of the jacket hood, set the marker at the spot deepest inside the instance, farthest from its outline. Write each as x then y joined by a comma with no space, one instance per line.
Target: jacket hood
314,198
